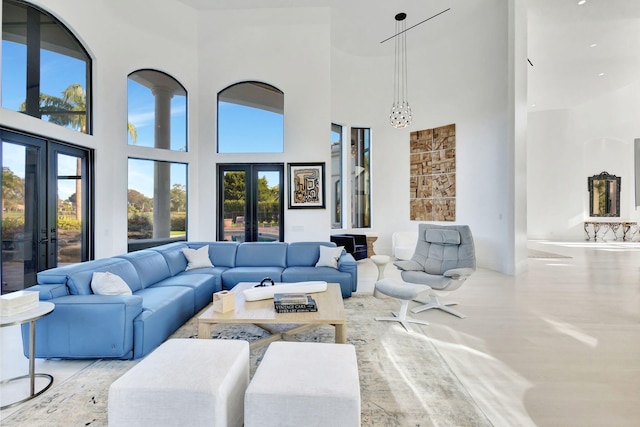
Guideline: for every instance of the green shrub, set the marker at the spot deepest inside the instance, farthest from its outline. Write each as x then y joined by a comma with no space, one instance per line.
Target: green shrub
69,224
267,211
11,227
140,227
178,222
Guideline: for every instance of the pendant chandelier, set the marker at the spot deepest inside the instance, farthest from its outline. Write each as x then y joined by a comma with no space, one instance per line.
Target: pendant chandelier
400,116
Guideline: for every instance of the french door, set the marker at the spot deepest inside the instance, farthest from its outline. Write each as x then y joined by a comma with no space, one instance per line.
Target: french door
250,202
45,207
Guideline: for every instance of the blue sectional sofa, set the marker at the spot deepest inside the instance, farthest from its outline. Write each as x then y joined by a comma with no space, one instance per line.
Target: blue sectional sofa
164,296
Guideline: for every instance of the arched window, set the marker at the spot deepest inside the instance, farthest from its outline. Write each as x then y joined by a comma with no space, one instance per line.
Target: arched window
46,72
251,119
157,191
157,111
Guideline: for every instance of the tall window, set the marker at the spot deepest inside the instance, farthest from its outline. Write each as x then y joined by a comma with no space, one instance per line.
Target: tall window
157,201
157,191
251,119
360,173
336,175
157,111
45,70
46,207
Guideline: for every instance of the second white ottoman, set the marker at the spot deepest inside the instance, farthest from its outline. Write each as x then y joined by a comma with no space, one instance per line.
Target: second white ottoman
304,384
184,382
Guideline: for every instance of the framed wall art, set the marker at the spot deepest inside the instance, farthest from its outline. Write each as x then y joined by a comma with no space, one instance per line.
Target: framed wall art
433,174
306,186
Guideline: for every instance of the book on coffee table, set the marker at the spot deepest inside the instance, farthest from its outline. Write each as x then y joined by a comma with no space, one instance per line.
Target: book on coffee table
294,303
290,298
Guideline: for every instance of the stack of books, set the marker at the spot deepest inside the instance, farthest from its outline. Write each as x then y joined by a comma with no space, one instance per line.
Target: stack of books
294,303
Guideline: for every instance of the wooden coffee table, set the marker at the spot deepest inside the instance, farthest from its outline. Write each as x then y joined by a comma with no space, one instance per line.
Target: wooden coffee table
261,313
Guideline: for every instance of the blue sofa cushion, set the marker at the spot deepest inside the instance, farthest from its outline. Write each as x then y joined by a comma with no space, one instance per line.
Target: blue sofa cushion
172,253
328,274
155,298
165,309
305,254
79,275
215,272
203,285
221,254
233,276
260,254
150,265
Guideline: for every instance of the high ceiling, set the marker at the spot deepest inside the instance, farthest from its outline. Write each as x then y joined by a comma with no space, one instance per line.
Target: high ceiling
567,70
567,67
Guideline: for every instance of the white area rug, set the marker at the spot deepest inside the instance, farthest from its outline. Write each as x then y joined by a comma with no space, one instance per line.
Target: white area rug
404,380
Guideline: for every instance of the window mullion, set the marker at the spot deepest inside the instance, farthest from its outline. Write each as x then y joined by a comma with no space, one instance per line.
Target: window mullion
33,63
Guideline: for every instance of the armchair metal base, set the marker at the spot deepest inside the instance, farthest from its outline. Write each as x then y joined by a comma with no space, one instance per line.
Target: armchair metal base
402,317
434,302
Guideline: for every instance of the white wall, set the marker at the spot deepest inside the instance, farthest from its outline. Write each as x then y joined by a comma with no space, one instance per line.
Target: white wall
458,69
567,146
459,73
289,49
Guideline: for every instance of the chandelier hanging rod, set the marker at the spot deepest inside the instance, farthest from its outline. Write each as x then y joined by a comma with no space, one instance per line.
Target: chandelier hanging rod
413,26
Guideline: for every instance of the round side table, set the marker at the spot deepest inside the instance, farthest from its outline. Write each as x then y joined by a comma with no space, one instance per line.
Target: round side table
381,262
43,309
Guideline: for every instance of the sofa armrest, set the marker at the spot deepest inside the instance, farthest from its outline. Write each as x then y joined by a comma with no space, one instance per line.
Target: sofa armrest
346,260
348,264
86,327
49,292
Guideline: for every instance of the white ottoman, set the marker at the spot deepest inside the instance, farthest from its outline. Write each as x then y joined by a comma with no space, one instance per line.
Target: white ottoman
304,384
405,292
184,382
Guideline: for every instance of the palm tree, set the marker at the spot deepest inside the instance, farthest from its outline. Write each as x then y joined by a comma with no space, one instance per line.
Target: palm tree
133,132
70,110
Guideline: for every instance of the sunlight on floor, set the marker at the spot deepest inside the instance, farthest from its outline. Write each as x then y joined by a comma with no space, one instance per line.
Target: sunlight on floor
400,368
572,331
503,405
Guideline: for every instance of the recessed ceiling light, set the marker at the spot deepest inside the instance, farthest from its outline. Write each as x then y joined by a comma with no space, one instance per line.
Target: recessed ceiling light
581,2
601,74
593,45
533,105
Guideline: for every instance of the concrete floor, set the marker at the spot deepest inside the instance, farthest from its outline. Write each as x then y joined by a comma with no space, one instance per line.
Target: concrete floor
556,346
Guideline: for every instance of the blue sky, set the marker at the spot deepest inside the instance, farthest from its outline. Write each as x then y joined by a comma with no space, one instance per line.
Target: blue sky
14,79
141,175
141,107
241,129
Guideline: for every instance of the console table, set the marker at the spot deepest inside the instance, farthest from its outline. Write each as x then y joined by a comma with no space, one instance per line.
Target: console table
43,309
371,238
629,229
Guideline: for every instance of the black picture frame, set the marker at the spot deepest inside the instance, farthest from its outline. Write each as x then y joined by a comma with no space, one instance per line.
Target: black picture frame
306,185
